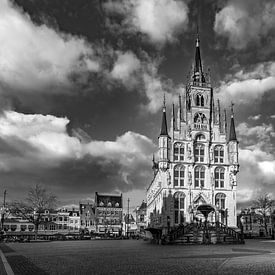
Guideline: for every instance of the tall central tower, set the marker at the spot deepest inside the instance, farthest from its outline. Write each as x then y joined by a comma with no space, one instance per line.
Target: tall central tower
198,158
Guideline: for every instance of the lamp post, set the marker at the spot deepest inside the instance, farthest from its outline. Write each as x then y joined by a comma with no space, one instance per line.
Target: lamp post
241,224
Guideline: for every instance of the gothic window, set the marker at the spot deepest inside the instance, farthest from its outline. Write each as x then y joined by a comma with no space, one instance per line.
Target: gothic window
179,175
178,151
199,100
218,154
200,118
179,205
200,121
219,177
199,152
199,176
220,200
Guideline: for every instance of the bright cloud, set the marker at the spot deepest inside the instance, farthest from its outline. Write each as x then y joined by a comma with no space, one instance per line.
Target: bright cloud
268,168
43,141
160,20
126,65
37,58
248,85
243,23
257,160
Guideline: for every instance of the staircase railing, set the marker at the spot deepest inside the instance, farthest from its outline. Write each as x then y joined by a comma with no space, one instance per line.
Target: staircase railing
181,230
229,231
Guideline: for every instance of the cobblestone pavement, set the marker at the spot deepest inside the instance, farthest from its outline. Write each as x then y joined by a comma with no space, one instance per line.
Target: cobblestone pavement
139,257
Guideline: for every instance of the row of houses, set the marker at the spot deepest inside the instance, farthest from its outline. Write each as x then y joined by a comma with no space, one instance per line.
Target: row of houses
103,217
255,224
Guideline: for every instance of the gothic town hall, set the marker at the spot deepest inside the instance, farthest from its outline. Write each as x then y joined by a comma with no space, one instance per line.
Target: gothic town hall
197,159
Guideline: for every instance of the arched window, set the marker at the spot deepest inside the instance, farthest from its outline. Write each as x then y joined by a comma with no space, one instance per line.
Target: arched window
179,175
200,121
199,100
179,206
199,152
220,200
218,154
200,118
178,151
219,177
199,176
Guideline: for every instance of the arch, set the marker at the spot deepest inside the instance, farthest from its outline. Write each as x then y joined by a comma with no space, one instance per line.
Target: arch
219,177
199,176
179,173
218,154
178,151
200,136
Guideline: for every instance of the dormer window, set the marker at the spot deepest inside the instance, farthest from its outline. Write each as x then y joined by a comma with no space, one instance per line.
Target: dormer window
117,204
101,203
109,204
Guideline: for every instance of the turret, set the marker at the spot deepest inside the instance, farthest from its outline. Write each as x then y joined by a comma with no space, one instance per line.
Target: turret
163,141
179,118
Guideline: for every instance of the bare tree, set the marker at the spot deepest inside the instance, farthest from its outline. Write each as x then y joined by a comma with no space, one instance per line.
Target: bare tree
37,201
263,205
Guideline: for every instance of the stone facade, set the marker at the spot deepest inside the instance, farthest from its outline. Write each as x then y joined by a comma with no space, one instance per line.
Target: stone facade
197,159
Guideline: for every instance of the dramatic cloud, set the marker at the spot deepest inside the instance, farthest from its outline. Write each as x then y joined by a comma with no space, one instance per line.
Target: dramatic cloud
159,20
41,144
256,154
263,134
37,58
125,68
243,23
248,84
141,74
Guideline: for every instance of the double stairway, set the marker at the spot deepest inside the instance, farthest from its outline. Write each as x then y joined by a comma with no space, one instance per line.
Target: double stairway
202,233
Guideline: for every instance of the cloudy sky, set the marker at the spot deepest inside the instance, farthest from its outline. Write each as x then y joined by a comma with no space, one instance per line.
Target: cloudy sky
81,87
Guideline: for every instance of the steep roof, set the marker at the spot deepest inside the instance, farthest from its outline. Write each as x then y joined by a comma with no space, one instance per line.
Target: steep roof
164,131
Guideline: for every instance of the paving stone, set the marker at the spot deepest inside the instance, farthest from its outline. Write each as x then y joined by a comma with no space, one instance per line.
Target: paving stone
140,257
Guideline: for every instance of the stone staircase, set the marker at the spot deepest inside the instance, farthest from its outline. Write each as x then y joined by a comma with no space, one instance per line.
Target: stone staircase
204,233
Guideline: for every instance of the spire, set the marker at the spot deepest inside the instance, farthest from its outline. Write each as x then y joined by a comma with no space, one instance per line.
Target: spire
180,109
173,120
232,132
198,75
225,122
164,131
